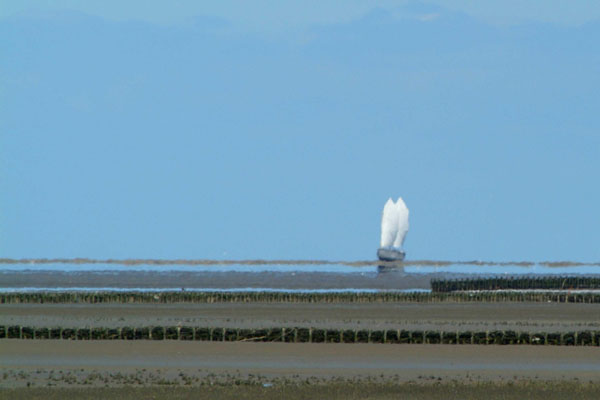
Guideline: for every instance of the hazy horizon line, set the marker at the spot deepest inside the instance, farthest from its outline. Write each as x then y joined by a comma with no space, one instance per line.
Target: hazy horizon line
358,263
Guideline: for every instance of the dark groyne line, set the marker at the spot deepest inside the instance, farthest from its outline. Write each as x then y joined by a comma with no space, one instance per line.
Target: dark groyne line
208,262
287,297
303,335
515,283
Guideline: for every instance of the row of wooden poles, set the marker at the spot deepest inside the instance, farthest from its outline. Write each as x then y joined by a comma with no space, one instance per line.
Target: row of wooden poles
285,297
516,283
304,335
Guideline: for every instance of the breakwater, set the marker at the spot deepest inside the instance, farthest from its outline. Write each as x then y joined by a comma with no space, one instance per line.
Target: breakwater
516,283
303,335
287,297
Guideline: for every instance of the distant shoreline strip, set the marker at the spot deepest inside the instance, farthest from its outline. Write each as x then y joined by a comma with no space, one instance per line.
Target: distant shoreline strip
242,290
365,263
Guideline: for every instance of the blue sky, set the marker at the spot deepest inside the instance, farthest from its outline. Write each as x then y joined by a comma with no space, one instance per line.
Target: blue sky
279,130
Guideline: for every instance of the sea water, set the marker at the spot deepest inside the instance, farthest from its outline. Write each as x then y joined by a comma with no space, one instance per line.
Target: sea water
306,276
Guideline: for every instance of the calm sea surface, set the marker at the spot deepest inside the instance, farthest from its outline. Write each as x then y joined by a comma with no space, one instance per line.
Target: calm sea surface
303,277
537,269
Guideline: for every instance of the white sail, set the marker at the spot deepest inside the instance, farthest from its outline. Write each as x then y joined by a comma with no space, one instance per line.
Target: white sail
394,223
389,226
402,230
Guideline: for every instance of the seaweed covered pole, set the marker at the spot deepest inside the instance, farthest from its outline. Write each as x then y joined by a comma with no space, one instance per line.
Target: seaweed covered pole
394,227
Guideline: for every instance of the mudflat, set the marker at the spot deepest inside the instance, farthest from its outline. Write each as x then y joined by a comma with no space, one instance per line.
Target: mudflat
393,280
438,390
197,360
53,369
555,317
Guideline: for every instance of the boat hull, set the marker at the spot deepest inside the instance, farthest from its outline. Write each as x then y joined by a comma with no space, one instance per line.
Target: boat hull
390,254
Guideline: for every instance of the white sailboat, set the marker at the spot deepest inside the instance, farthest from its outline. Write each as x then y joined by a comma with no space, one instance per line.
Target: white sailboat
394,227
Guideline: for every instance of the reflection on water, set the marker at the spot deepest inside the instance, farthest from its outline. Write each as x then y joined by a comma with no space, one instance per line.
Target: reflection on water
384,269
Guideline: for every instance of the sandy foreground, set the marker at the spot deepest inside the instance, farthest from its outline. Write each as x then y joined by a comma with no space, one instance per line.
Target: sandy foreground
52,369
32,361
532,317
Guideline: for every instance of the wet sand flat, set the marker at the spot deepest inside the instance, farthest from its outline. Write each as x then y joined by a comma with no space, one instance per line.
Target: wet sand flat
531,390
404,363
558,317
217,279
